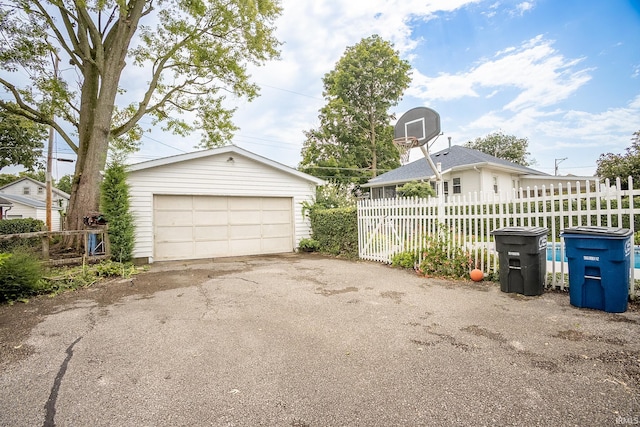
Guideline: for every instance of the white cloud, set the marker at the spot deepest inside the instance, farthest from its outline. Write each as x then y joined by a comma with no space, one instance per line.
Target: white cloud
541,74
523,7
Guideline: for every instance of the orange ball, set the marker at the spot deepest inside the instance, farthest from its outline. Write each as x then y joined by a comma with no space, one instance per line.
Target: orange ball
476,275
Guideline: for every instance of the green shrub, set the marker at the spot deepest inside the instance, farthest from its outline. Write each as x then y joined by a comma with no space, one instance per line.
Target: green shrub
417,189
308,245
115,207
405,260
20,225
336,230
330,196
441,259
20,275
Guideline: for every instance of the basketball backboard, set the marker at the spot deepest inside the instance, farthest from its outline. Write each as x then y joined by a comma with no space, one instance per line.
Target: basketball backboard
421,123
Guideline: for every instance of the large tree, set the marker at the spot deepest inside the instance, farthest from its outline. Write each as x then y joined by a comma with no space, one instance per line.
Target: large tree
190,53
503,146
612,165
21,141
354,139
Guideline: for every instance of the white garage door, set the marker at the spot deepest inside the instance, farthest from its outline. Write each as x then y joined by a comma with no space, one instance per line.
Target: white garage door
192,227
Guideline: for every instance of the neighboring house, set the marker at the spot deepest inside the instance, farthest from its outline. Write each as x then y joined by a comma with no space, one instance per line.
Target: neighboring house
217,203
5,206
29,200
465,170
25,207
36,190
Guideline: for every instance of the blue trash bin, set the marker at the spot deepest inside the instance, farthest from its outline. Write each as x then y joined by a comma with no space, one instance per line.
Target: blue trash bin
599,267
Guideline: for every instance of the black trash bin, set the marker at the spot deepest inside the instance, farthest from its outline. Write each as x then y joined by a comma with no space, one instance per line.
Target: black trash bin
599,261
522,252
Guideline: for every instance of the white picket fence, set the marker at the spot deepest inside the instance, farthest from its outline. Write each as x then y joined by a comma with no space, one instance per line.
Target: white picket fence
390,226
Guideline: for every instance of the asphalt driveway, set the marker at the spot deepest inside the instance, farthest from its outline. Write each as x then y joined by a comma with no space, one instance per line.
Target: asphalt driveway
303,340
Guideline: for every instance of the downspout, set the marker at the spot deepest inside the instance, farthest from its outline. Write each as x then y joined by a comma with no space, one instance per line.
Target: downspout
3,214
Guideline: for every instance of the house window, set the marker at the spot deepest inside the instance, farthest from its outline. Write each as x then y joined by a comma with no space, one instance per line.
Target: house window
26,191
389,192
495,184
445,188
457,187
40,191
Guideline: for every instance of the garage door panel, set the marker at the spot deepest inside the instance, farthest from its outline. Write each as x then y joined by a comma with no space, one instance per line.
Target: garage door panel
245,231
244,203
173,218
274,245
212,249
210,203
173,202
173,250
276,230
191,227
176,234
278,217
211,218
245,246
212,232
245,217
277,204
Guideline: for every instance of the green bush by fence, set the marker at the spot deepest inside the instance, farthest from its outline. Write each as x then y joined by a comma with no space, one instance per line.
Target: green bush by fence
20,225
336,230
20,275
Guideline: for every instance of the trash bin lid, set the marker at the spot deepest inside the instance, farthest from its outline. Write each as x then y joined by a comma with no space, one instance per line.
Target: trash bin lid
520,231
598,231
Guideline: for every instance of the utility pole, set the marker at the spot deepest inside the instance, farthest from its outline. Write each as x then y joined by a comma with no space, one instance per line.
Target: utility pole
557,162
50,160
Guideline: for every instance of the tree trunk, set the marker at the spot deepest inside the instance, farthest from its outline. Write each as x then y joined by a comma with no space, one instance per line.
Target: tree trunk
374,151
101,75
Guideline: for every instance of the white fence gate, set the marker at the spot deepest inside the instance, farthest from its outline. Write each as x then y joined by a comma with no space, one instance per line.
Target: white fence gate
390,226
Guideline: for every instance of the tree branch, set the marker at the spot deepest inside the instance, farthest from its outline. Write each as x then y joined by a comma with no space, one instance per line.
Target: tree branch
34,115
56,31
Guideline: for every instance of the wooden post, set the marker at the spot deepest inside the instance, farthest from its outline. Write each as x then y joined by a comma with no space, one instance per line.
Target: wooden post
45,247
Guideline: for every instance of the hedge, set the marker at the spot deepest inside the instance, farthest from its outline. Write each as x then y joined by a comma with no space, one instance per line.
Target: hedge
20,225
336,230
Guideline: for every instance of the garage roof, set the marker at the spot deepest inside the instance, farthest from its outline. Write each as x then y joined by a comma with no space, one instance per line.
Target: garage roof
227,149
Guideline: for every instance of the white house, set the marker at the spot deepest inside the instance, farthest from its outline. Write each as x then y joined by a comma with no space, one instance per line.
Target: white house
36,190
25,207
28,200
216,203
465,170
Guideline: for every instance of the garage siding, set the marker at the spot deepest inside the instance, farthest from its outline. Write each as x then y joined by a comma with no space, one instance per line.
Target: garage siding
214,175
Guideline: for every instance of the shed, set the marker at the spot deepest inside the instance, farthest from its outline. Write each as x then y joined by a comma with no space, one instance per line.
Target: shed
221,202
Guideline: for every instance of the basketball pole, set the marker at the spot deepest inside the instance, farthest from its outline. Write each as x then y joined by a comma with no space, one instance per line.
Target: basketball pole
439,185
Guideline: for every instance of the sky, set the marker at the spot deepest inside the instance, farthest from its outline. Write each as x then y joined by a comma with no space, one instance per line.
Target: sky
563,74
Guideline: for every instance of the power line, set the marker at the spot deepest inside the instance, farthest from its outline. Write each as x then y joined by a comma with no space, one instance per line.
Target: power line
291,91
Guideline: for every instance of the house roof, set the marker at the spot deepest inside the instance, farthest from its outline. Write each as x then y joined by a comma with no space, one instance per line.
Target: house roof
38,204
227,149
5,202
38,183
452,158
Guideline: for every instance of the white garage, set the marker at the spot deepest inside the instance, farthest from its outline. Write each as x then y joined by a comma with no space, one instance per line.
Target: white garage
217,203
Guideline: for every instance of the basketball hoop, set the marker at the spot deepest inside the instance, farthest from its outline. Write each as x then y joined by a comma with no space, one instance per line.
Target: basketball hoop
404,144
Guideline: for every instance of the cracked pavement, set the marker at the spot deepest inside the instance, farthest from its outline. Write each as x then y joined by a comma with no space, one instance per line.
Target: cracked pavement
305,340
